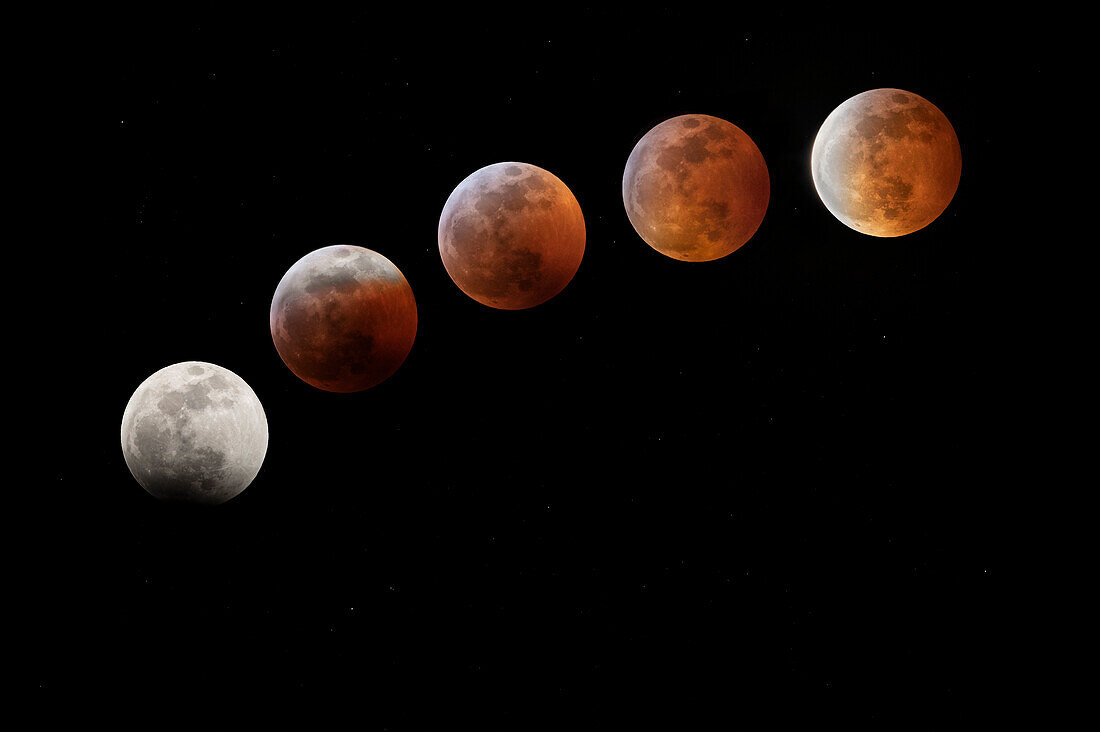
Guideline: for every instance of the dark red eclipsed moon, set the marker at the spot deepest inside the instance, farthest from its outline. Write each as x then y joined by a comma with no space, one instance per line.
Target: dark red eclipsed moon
511,236
696,188
343,318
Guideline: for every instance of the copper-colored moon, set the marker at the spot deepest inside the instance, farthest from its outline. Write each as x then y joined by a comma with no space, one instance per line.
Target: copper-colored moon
696,188
511,235
343,318
886,162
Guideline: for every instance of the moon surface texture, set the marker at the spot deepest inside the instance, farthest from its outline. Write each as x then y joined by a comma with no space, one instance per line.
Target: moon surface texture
886,162
696,188
343,318
511,235
194,432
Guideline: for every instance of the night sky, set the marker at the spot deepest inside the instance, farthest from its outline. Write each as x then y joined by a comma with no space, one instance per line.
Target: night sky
758,486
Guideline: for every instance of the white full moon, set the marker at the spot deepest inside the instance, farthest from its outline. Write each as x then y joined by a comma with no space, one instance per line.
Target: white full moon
194,432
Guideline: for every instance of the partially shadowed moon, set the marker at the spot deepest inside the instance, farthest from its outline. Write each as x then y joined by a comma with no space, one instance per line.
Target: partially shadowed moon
696,188
511,236
343,318
194,432
886,162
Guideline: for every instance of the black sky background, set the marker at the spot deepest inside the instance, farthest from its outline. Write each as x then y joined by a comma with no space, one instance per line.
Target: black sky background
765,485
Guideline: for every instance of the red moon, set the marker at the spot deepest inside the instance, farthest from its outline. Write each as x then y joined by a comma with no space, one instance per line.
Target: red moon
343,318
511,236
886,162
696,188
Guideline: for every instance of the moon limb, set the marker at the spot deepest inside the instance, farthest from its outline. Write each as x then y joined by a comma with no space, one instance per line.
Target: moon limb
194,432
886,162
511,235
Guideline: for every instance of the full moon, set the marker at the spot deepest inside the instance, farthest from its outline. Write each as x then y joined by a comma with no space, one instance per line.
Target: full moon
511,236
194,432
343,318
696,188
886,162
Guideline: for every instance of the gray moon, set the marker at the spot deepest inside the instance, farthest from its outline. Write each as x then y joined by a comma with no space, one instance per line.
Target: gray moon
194,432
886,162
511,235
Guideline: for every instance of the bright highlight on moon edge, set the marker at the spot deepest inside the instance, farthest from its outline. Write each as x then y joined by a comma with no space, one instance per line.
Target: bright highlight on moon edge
194,432
886,162
511,235
696,188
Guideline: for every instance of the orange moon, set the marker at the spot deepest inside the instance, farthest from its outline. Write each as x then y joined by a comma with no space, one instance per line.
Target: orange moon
511,236
343,318
886,162
696,188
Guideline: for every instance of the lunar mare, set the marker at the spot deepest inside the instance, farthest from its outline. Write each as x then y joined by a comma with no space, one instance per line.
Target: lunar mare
511,235
194,432
886,162
696,188
343,318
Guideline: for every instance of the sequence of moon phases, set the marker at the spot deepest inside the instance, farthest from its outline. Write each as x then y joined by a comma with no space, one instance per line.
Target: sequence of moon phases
194,432
343,318
696,188
886,162
511,236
